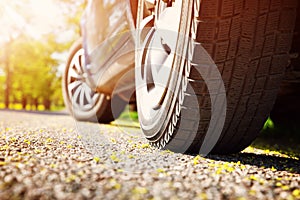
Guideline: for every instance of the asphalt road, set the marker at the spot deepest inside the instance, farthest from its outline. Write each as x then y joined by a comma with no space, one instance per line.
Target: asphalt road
50,156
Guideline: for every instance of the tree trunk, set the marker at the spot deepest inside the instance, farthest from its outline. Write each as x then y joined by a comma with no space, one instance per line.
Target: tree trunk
35,104
24,102
47,104
8,75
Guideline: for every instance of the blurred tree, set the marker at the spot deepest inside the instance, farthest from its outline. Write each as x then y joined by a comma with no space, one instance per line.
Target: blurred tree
32,74
7,71
33,71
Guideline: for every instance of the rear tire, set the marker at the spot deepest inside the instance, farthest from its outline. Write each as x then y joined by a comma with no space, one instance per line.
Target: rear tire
83,103
249,42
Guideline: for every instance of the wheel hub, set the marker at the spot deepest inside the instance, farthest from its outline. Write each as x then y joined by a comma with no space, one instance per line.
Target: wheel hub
80,94
156,59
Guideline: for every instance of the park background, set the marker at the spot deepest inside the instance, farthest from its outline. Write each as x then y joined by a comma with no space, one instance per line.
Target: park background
35,38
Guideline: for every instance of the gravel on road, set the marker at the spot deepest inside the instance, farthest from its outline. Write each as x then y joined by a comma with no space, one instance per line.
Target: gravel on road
48,156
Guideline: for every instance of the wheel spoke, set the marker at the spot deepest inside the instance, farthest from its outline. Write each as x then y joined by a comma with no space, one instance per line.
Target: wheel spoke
88,95
73,85
76,64
87,107
81,97
78,60
75,95
74,74
95,97
81,94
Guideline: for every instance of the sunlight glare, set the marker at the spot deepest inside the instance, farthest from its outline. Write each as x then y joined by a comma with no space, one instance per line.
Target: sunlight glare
32,17
48,15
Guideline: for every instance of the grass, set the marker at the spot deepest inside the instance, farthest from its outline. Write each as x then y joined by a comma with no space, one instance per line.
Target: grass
283,137
128,118
129,115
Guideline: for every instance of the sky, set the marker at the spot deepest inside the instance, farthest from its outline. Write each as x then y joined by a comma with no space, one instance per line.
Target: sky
45,16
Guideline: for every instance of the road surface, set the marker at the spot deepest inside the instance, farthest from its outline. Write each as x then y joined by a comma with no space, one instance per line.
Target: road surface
50,156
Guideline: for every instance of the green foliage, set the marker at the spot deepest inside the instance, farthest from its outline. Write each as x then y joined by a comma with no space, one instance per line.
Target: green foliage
31,71
269,124
280,136
129,115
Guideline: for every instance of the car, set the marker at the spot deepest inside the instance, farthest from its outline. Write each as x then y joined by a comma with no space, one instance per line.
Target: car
203,74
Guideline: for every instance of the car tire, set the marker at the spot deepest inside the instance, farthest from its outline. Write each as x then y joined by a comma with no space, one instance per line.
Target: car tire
248,41
83,103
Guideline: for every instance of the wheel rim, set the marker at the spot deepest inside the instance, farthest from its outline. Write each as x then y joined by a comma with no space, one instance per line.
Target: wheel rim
79,93
157,64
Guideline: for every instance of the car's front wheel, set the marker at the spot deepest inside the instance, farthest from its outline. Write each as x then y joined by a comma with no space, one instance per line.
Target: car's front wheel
208,72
